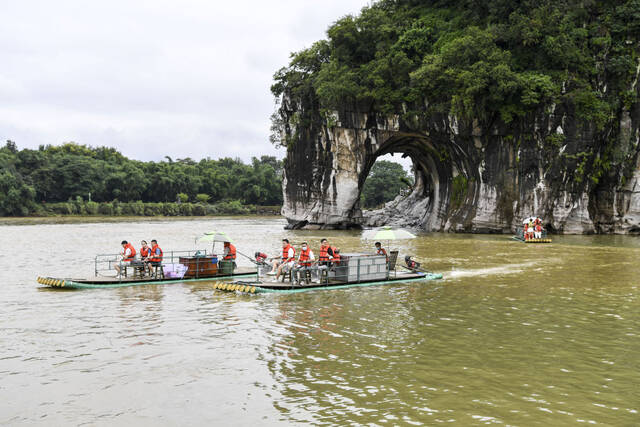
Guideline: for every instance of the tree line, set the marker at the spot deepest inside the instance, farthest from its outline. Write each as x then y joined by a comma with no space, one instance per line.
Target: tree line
78,179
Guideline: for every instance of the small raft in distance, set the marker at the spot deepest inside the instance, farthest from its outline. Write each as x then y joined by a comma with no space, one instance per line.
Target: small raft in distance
529,236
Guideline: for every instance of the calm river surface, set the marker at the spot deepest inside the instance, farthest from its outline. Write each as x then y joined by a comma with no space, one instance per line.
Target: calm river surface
515,334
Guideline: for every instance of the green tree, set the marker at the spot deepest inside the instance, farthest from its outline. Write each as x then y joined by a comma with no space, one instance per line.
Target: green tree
385,181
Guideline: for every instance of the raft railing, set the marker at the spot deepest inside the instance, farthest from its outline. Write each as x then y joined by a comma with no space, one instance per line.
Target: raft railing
106,262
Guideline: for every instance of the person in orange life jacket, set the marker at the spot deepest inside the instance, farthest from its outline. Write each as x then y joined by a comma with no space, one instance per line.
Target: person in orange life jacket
128,254
538,231
326,253
380,250
411,264
286,261
305,260
145,250
336,256
155,255
229,252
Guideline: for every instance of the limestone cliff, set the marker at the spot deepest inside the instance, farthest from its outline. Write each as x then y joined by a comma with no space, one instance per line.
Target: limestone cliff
474,172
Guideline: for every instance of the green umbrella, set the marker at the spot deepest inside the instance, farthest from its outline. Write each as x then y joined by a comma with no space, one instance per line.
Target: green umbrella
215,236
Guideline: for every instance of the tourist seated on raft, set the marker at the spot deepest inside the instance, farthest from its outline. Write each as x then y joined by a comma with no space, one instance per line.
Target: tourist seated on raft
128,254
144,252
325,257
285,262
154,259
411,264
305,260
336,256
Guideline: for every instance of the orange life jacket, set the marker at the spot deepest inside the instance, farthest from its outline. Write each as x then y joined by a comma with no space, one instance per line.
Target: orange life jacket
336,258
231,255
285,253
324,253
156,257
144,252
133,252
305,256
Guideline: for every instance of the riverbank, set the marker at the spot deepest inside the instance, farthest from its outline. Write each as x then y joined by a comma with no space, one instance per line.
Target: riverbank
92,219
126,211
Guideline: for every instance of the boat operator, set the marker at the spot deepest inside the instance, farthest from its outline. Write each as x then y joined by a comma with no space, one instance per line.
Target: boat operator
128,254
229,252
381,251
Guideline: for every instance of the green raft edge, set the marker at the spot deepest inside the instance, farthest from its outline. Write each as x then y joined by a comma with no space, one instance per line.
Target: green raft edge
427,277
70,284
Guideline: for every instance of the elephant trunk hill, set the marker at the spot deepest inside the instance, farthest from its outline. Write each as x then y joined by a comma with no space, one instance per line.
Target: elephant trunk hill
506,109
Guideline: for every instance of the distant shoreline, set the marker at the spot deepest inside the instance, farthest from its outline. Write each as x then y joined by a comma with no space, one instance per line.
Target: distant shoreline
87,219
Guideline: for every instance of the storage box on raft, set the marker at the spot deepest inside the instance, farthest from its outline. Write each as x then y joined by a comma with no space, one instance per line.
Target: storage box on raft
225,267
356,267
174,270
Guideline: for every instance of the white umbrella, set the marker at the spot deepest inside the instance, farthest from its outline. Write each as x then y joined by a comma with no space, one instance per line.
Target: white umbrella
387,233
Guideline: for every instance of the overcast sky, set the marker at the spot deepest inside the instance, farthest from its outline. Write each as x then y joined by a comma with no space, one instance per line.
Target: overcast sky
184,78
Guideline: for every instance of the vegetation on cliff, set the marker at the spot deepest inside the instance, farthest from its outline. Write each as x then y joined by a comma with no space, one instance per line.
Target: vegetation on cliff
76,179
475,59
483,62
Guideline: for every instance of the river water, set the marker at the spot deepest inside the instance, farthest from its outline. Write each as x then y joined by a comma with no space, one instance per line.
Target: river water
515,334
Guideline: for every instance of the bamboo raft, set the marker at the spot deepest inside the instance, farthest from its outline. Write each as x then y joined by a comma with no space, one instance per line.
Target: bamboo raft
260,287
108,282
519,236
177,266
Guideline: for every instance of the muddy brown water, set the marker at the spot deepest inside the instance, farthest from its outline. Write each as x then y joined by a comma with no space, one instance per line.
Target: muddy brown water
515,334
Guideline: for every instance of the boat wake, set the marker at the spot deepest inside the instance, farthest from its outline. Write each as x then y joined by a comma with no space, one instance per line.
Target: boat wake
491,271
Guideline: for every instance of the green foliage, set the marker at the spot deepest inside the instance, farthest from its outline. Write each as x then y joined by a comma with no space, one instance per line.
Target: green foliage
61,178
202,198
384,182
477,60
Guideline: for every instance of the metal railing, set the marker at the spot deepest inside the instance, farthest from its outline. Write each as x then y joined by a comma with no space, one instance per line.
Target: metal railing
105,263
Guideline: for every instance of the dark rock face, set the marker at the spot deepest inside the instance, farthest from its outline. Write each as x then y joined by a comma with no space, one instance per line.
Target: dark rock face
470,176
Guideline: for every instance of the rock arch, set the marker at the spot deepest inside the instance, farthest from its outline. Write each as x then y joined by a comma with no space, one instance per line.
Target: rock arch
470,177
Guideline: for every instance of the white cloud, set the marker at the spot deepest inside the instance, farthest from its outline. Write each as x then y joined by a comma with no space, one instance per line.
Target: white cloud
151,78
